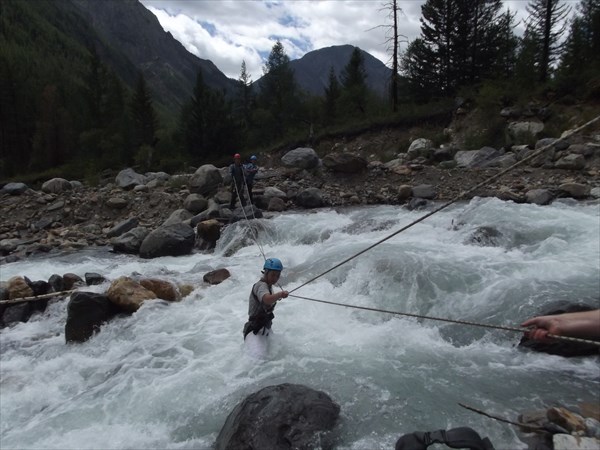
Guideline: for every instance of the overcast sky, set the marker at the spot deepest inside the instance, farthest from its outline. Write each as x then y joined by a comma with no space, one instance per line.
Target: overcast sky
228,32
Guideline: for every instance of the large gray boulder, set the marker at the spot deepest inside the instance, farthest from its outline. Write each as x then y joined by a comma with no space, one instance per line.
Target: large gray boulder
14,188
206,180
171,240
539,196
123,227
571,162
56,186
345,162
301,158
310,198
420,147
523,132
128,179
426,191
130,241
178,216
476,158
282,417
195,203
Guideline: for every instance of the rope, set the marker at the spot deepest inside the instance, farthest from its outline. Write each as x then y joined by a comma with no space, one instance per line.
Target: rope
252,231
35,297
453,200
440,319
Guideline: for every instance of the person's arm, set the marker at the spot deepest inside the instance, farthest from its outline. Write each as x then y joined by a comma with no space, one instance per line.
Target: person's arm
577,324
269,299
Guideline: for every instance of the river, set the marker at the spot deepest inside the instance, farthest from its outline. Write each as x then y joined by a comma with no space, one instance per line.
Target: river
169,375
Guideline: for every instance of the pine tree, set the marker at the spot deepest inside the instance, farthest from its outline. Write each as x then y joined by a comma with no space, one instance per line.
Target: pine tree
244,96
332,95
278,91
546,23
353,78
144,123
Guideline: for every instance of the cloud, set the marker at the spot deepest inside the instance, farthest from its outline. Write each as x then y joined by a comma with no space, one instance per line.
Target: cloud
228,32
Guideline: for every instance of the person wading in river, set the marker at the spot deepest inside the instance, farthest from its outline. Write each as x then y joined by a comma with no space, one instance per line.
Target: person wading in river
260,309
237,181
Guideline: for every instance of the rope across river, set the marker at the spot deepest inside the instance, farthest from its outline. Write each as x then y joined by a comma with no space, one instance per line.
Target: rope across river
458,197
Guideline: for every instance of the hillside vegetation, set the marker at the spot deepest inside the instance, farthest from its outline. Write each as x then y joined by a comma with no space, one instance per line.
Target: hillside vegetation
74,106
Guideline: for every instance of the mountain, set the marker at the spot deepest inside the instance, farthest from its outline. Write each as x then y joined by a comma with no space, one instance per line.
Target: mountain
312,70
129,33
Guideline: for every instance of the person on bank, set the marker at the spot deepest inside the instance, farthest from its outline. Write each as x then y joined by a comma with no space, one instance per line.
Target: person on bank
583,324
251,169
237,181
260,308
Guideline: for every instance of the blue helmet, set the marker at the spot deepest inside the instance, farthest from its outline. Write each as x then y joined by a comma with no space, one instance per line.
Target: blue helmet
273,264
253,158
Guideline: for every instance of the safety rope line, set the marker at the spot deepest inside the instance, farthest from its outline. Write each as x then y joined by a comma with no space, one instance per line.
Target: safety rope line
252,231
441,319
35,297
453,200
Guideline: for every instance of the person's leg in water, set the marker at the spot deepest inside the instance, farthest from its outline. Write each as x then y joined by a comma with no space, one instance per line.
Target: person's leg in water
257,345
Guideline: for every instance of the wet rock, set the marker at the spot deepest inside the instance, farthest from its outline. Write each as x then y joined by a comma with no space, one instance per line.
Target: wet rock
575,190
71,280
128,295
216,276
416,203
20,312
568,442
276,204
163,289
131,241
171,240
282,417
86,312
56,283
18,288
209,230
92,278
486,237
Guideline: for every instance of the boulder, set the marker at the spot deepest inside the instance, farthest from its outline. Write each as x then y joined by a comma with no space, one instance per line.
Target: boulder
213,211
116,203
571,162
476,158
18,288
56,186
14,188
171,240
71,280
426,191
345,162
92,278
575,190
539,196
206,181
86,312
486,236
128,179
209,230
282,417
178,216
276,204
128,295
310,198
163,289
216,276
123,227
301,158
420,147
523,132
131,241
56,283
195,203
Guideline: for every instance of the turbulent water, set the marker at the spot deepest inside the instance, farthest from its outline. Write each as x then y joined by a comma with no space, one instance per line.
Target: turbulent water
169,375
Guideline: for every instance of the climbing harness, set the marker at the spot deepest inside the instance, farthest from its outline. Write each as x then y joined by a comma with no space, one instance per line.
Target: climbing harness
262,319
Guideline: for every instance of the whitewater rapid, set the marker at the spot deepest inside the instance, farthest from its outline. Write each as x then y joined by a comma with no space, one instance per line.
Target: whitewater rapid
168,376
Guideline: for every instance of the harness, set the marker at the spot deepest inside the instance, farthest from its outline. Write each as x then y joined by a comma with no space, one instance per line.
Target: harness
262,319
461,437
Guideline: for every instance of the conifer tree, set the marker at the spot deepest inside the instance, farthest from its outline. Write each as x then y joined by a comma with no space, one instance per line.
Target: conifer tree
244,96
353,78
144,122
278,91
332,95
546,23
